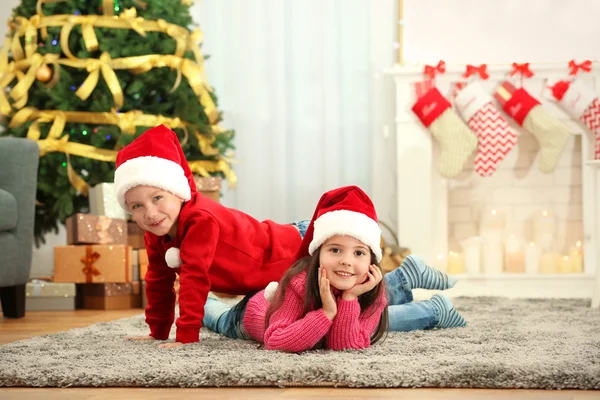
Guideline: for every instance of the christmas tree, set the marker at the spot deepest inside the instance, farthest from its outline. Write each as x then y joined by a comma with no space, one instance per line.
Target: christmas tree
85,77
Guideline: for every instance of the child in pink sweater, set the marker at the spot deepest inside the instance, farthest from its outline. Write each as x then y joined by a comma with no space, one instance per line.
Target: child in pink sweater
333,296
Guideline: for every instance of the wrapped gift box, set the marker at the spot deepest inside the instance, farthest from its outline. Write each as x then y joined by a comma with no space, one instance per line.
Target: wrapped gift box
49,296
109,296
135,236
209,186
143,263
93,264
103,201
94,229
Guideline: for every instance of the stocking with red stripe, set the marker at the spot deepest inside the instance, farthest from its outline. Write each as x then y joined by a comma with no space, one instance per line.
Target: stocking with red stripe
496,138
582,103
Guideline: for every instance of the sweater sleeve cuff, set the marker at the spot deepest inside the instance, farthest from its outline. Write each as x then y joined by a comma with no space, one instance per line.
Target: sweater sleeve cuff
351,307
160,331
187,335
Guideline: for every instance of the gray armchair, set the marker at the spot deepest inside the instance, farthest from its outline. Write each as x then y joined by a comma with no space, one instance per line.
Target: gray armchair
19,160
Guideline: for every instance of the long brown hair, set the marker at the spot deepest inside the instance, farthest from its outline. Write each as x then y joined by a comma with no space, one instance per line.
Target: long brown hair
312,296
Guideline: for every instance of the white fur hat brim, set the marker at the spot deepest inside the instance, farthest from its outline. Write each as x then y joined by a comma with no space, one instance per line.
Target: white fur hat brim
151,171
349,223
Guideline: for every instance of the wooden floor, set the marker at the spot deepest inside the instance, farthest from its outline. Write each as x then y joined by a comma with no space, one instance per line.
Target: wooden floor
39,323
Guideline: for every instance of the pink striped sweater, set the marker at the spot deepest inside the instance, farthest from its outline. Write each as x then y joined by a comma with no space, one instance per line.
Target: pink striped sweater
293,332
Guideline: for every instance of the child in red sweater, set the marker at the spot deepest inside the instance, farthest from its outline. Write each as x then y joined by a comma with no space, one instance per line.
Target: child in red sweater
208,245
333,296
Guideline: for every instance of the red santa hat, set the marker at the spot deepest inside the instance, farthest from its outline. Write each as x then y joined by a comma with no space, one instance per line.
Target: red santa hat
154,159
343,211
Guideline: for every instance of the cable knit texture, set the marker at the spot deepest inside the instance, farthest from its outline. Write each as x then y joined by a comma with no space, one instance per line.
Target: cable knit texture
291,331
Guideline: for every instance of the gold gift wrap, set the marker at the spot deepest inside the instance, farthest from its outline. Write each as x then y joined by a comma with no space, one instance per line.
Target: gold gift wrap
135,235
92,264
143,263
209,186
95,229
109,296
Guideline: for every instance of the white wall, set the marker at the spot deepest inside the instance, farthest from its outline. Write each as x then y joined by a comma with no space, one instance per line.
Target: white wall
476,31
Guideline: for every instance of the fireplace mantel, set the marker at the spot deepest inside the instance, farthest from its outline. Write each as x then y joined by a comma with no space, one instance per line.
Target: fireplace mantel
422,208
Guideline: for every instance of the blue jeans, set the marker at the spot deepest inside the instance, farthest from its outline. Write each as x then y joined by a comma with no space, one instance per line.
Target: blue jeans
404,314
225,319
302,226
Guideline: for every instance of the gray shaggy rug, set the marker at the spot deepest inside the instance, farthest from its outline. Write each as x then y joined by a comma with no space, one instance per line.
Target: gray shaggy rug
547,344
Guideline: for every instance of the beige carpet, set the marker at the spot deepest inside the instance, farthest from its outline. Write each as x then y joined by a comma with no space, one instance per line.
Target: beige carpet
550,344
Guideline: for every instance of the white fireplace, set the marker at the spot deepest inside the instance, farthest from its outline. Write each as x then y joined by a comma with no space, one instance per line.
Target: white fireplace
435,214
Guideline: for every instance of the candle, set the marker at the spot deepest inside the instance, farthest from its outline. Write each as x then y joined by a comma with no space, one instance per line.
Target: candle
532,258
544,230
576,256
514,259
492,225
549,263
440,263
564,265
455,263
492,257
472,254
515,262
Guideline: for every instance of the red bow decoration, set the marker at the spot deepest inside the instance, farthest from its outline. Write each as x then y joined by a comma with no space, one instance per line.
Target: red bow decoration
522,69
431,72
585,66
481,70
88,260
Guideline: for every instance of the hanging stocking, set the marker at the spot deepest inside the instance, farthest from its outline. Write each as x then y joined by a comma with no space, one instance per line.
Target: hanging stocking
551,134
582,103
456,140
496,138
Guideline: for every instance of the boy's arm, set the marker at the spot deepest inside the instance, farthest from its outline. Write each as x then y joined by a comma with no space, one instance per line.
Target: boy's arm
197,251
350,329
160,311
290,331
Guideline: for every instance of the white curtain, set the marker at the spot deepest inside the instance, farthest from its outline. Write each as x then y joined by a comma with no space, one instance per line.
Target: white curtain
301,83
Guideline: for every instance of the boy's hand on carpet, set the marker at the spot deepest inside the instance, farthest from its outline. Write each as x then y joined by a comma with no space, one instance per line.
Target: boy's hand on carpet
170,345
139,338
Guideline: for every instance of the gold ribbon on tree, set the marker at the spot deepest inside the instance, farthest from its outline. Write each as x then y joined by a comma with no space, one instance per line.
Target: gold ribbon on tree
94,67
204,168
134,22
108,7
87,23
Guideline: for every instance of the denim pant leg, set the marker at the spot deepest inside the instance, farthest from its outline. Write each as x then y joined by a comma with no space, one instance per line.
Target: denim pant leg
412,316
225,319
396,285
302,226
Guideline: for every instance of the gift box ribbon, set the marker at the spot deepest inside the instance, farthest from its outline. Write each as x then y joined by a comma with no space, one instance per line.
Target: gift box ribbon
88,261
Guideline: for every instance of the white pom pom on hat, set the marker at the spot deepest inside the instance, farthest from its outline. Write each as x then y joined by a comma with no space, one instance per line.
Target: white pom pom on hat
173,258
